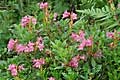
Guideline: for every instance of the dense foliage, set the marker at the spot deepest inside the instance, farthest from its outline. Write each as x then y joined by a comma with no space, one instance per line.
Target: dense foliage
60,40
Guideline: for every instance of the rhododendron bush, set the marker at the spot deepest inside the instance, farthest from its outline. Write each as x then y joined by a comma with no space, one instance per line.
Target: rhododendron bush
77,43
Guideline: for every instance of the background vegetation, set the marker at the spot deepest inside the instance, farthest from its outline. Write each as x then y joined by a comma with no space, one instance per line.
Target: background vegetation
95,17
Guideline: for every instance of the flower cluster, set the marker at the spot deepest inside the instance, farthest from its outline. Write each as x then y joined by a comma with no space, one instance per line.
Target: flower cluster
112,35
81,38
26,20
75,60
30,47
14,69
11,44
38,62
84,43
67,14
78,37
39,43
115,36
43,5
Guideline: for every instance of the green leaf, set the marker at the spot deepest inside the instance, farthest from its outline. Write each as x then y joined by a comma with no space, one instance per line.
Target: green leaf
93,63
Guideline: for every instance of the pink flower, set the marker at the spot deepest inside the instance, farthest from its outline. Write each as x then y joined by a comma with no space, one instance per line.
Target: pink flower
30,44
66,14
29,47
55,16
20,48
51,78
28,50
27,20
118,32
89,42
14,72
34,20
79,37
110,34
75,37
12,66
83,57
82,45
73,16
11,44
39,43
39,40
43,5
74,62
20,68
13,69
38,62
82,35
41,46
